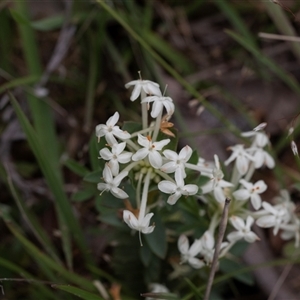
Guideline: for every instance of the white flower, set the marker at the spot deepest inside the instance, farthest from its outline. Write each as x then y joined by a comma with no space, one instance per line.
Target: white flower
260,139
178,189
273,216
262,157
243,230
294,148
251,191
242,158
151,150
112,183
149,87
110,130
177,161
188,254
116,156
159,102
208,244
216,183
140,224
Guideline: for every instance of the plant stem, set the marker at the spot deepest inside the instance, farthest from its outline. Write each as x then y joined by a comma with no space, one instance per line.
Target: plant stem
222,228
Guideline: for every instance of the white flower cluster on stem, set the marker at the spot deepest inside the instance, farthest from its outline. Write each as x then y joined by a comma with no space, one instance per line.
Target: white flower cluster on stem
144,154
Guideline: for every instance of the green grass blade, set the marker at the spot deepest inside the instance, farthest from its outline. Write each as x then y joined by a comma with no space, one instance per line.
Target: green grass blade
235,19
39,256
40,110
18,82
33,223
27,277
283,24
267,62
63,207
77,292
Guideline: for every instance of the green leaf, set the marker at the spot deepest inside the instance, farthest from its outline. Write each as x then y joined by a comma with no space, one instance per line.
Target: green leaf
18,17
76,167
50,23
228,266
93,177
77,292
83,195
145,255
157,240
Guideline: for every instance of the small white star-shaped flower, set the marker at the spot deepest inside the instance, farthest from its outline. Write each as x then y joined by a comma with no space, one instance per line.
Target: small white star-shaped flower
159,102
151,150
112,184
260,139
149,87
177,189
177,161
115,156
188,254
273,216
251,191
242,158
243,230
216,183
110,131
140,224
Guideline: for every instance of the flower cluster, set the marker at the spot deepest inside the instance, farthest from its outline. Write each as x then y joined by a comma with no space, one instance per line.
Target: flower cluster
145,155
147,158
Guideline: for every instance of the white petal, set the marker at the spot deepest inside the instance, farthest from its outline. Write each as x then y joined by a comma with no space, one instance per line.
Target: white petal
157,107
196,263
179,178
171,155
155,159
266,221
124,157
112,121
241,194
159,145
190,189
117,180
185,153
143,141
119,193
136,92
102,186
107,174
183,244
251,237
242,164
195,248
260,186
140,154
237,222
130,219
151,88
114,166
174,198
169,167
219,195
235,236
105,154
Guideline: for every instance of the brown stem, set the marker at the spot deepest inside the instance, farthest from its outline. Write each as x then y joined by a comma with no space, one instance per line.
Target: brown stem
222,228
